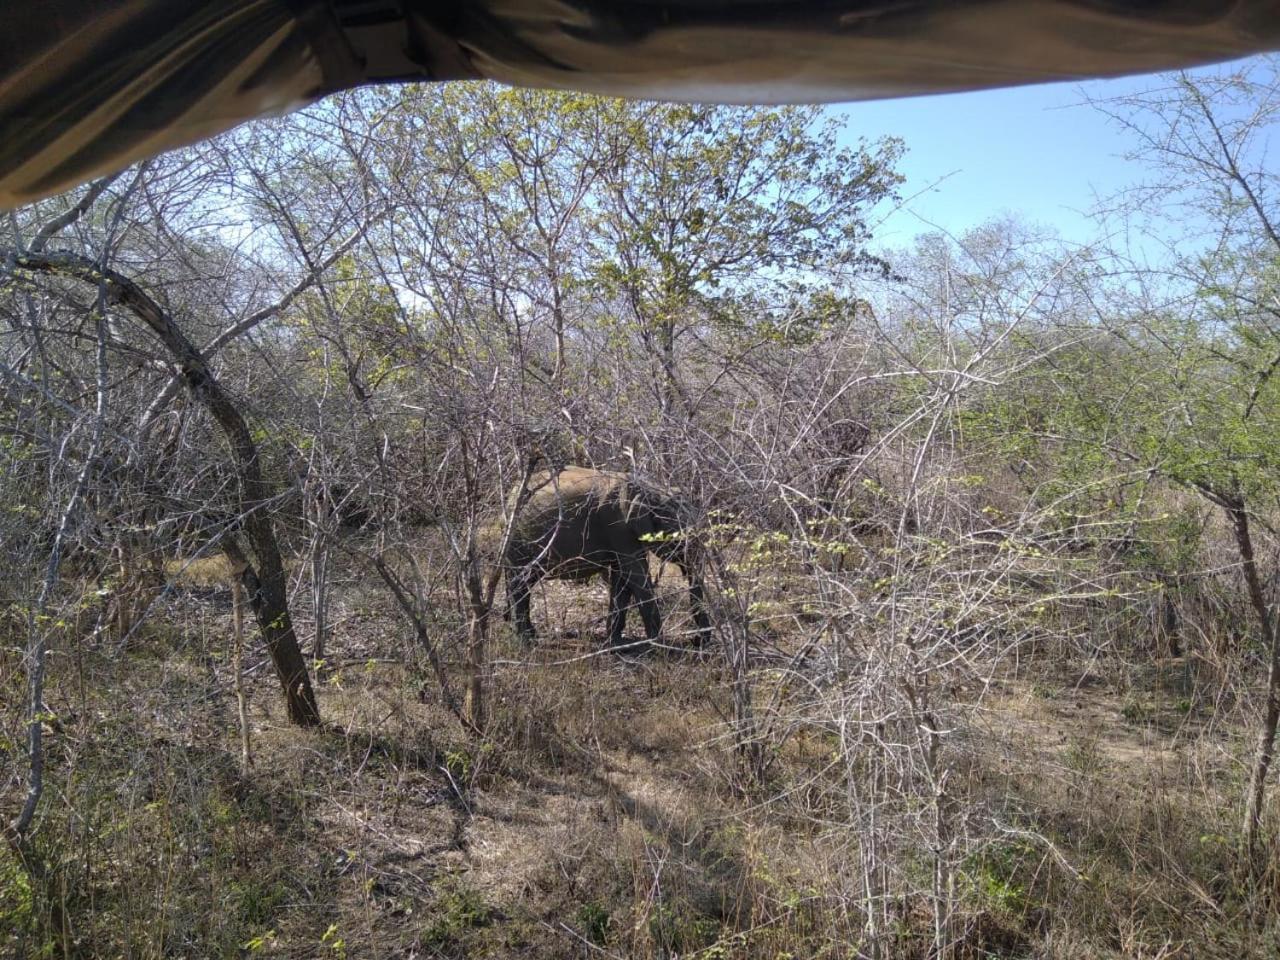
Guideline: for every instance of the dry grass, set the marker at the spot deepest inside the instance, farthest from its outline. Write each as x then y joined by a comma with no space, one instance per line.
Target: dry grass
604,813
212,571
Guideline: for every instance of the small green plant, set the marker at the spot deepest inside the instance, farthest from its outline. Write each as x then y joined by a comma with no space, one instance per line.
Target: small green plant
1083,756
259,943
994,875
1001,892
255,901
594,920
459,765
17,903
458,908
674,932
1136,711
725,947
336,944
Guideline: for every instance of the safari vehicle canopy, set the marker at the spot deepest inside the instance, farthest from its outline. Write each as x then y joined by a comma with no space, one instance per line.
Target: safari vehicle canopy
88,86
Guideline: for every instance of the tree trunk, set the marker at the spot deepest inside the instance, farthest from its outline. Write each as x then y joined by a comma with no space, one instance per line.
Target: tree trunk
1171,644
477,635
1271,715
237,666
319,595
737,652
410,610
270,607
266,587
746,729
557,315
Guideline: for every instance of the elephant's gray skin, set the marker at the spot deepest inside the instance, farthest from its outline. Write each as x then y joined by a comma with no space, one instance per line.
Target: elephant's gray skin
577,522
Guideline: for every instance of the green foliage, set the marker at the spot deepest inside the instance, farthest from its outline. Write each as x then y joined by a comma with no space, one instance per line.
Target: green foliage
1083,755
459,764
996,876
261,942
674,931
682,214
1137,711
334,942
255,900
17,907
457,910
593,918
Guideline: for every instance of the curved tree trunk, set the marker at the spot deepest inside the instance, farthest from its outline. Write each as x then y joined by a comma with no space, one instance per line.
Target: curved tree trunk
265,586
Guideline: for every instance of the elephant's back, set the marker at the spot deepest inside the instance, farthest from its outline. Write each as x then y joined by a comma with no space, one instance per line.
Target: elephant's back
556,492
569,520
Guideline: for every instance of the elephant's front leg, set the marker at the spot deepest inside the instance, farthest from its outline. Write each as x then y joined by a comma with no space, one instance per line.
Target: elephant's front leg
698,603
635,584
619,600
519,585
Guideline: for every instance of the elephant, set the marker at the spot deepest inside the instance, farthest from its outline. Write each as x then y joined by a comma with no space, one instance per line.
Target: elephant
577,522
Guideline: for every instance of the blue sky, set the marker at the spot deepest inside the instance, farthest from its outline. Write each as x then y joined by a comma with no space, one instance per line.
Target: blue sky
1039,152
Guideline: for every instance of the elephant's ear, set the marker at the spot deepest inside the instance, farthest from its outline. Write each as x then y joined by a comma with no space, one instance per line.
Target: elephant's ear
638,508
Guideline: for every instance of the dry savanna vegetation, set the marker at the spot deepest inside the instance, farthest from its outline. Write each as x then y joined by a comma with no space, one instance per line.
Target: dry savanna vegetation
988,529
